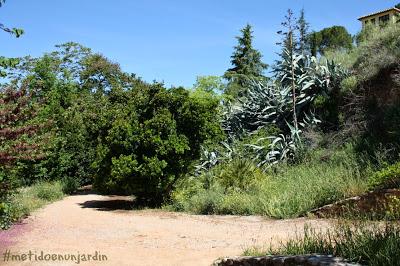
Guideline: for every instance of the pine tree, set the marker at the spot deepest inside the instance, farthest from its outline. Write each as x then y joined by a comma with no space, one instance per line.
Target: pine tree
246,63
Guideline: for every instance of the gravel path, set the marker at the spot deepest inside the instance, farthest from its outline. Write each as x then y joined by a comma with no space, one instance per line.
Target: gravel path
84,224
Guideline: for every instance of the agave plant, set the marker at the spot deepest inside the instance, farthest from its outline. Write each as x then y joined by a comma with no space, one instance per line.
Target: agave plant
209,159
272,103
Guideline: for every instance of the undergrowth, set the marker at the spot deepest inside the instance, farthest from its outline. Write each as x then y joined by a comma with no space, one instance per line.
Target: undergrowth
288,190
367,244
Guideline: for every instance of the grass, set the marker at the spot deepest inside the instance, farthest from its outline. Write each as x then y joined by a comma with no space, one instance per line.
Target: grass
367,244
28,199
285,192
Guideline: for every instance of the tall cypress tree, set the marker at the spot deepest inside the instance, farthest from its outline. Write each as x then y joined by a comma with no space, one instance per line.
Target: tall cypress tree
246,63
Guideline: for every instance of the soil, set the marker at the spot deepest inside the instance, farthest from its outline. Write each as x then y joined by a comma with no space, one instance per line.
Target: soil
88,223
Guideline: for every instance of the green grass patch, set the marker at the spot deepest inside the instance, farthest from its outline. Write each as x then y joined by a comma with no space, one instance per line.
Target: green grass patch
364,243
28,199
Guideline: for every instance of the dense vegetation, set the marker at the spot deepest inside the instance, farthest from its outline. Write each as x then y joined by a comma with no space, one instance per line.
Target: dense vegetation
323,126
103,126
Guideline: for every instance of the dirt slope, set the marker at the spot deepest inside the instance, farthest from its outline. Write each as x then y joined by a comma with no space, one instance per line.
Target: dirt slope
90,223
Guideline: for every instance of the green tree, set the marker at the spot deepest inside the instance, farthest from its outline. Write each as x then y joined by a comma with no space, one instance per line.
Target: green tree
4,61
246,63
314,40
152,138
212,84
332,38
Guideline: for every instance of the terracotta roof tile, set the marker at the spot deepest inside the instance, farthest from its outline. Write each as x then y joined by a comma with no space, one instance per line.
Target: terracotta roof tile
383,11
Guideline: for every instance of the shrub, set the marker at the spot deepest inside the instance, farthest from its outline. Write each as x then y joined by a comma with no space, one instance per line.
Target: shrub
48,191
349,84
27,199
5,214
153,140
378,50
239,174
388,177
359,243
69,185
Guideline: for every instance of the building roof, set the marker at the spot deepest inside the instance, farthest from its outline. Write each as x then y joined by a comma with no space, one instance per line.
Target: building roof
377,13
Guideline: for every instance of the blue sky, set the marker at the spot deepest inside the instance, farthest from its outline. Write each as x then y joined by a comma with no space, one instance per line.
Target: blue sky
167,40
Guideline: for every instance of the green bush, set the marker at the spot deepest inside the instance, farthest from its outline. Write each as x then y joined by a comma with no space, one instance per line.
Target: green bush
5,214
7,188
155,137
48,191
377,51
349,84
239,174
358,243
27,199
388,177
69,185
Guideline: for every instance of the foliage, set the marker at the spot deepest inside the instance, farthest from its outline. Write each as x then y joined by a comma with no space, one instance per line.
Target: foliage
28,199
19,140
332,38
4,61
154,138
16,117
358,243
378,50
72,83
210,84
246,63
48,191
284,191
271,104
388,177
303,27
69,185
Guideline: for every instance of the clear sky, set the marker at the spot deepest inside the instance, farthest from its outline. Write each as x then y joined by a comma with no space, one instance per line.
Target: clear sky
167,40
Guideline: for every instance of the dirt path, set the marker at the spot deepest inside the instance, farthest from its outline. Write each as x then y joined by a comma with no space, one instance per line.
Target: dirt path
90,223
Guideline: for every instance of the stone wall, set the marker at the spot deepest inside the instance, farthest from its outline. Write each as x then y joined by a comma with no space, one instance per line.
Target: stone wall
309,260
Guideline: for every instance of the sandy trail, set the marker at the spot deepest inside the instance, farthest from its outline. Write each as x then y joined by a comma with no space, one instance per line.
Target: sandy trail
90,223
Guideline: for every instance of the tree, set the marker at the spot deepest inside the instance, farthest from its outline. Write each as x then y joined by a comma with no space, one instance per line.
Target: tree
16,113
332,38
8,62
19,141
303,27
314,40
246,63
152,139
397,6
212,84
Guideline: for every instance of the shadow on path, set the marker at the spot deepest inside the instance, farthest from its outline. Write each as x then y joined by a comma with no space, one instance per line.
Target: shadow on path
109,205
